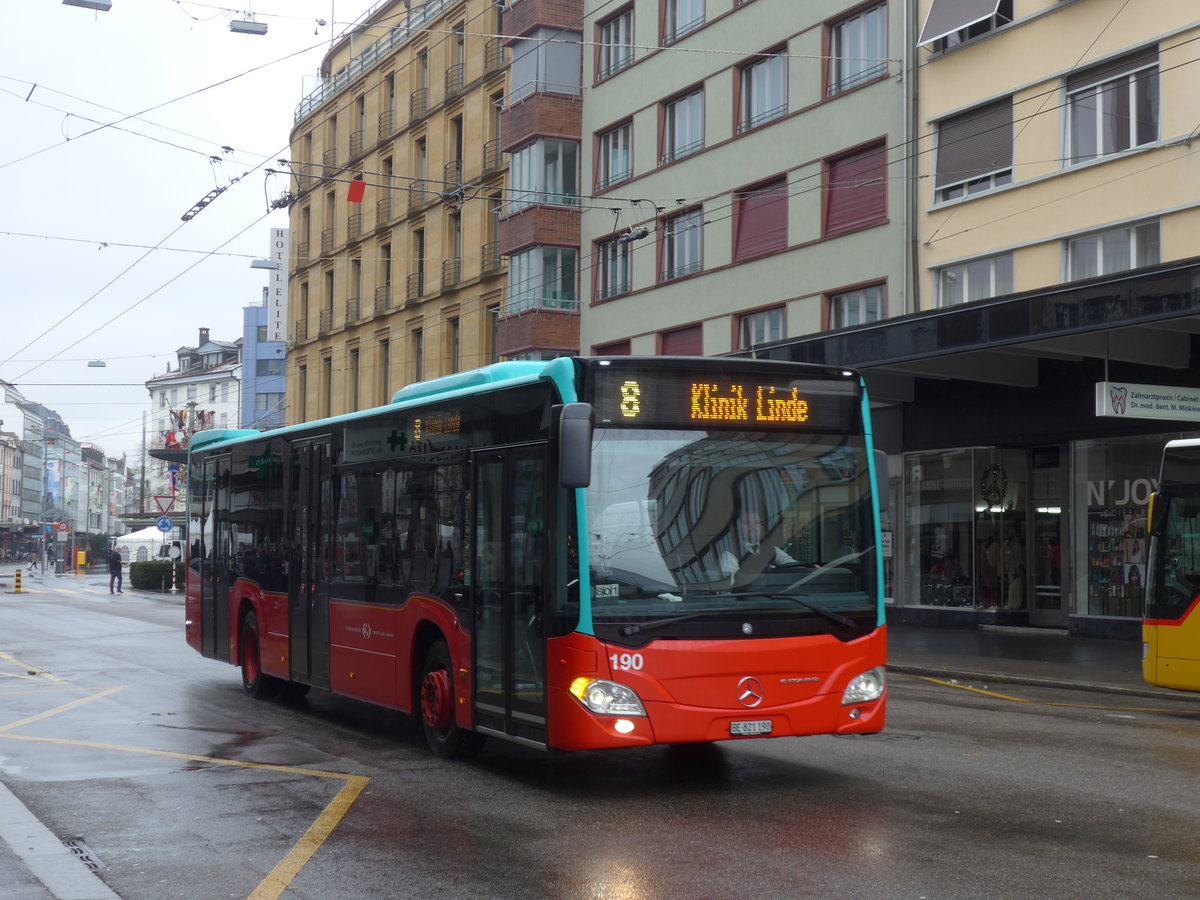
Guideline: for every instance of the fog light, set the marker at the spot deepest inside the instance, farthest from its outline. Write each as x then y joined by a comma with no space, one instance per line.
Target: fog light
623,726
855,713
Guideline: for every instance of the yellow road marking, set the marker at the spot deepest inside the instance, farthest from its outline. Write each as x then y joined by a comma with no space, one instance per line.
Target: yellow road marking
1011,699
42,673
279,878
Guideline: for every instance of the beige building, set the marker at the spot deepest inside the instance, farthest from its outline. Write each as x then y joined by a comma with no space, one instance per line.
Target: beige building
398,177
748,164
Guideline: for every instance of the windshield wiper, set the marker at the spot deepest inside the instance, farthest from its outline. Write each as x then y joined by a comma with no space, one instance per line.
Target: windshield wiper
836,618
635,627
829,614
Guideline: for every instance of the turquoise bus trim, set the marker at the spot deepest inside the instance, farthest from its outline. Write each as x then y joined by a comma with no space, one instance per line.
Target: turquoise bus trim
869,447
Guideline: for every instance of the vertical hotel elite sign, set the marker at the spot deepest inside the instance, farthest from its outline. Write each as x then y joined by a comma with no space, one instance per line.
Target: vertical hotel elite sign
277,292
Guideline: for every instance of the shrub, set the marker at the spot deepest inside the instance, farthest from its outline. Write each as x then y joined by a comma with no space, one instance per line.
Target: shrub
155,575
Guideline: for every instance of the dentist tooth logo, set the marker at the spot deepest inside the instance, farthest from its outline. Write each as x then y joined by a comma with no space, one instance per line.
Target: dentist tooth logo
1117,396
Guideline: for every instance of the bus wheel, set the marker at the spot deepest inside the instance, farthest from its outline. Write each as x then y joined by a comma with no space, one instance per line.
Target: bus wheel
256,684
442,733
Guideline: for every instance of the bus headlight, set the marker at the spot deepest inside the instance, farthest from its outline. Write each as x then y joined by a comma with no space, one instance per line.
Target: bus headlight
606,698
866,687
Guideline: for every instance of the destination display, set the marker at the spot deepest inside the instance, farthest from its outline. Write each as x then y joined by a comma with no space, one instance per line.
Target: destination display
719,398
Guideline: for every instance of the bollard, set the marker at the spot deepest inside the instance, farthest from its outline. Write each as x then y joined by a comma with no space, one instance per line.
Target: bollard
17,581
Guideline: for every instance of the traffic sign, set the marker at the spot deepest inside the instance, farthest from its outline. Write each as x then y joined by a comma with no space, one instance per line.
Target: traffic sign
164,524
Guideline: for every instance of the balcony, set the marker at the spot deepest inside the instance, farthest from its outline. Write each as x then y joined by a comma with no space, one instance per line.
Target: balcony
451,272
383,212
490,256
353,309
455,79
541,300
354,226
302,257
383,299
418,103
415,287
326,241
357,143
452,172
329,160
493,159
325,321
387,124
299,331
494,55
421,192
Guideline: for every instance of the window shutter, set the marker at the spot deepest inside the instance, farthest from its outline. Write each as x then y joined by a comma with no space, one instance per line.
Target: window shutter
856,190
683,342
761,220
975,143
1112,68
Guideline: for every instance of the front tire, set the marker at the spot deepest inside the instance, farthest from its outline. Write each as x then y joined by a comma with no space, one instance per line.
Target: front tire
255,683
445,739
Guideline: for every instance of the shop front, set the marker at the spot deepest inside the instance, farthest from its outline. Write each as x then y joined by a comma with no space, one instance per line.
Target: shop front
1020,501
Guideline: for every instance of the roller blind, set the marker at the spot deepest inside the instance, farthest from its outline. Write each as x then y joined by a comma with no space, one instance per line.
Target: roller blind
977,142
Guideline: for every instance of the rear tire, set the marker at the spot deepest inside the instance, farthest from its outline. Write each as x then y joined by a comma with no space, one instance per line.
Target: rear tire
445,739
255,683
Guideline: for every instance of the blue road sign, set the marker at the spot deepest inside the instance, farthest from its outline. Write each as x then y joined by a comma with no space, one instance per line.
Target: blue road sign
164,524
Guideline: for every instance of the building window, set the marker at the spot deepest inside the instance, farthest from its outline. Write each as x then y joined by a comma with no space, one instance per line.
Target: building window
1114,250
951,22
682,342
546,63
856,190
418,353
212,393
682,17
760,328
616,43
979,279
683,126
612,268
385,368
761,220
352,378
858,47
613,158
162,399
681,245
618,348
1113,107
268,402
975,151
454,344
261,334
544,171
764,91
856,307
542,277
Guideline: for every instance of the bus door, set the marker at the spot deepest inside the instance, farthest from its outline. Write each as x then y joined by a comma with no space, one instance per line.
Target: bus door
310,524
510,591
215,574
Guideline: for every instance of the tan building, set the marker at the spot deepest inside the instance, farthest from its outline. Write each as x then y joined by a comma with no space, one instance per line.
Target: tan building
398,180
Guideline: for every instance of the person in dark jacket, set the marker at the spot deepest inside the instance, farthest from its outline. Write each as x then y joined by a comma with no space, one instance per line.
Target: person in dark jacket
114,570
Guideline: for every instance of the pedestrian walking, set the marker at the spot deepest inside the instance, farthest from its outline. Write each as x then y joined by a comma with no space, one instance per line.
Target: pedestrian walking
114,570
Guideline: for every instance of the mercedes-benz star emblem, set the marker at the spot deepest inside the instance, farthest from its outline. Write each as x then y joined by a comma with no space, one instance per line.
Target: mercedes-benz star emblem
750,691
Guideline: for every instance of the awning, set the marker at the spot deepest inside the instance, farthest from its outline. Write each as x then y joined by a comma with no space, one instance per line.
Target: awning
948,16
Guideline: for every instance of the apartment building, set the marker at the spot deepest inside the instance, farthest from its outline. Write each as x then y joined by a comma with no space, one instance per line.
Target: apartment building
747,163
398,181
1053,347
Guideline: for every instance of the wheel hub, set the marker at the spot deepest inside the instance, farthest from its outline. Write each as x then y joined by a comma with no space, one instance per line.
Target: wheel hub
435,699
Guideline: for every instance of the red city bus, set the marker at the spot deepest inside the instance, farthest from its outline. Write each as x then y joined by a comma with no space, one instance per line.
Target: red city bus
574,554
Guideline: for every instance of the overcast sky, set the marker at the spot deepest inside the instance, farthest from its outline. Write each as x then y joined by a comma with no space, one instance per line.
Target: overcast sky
84,206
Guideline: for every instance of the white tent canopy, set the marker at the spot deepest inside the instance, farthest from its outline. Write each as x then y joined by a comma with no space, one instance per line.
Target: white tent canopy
140,546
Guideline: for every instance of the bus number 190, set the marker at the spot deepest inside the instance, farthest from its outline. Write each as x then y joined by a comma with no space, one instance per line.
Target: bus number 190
626,661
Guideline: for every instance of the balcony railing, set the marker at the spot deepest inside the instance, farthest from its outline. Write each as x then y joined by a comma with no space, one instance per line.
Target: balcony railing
415,286
300,331
353,309
494,55
357,143
387,124
420,192
493,159
326,241
302,257
354,226
451,272
329,158
552,300
490,255
383,212
383,299
325,321
418,102
454,78
452,172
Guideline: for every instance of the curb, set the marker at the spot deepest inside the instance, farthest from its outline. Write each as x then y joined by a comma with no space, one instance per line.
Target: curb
1035,681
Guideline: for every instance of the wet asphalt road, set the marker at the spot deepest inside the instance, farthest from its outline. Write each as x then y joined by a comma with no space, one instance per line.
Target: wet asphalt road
113,732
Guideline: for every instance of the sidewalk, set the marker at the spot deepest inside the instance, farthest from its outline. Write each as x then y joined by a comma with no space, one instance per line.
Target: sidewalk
1023,656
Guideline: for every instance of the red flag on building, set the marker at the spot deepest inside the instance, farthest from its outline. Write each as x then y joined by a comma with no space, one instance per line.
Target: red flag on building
358,187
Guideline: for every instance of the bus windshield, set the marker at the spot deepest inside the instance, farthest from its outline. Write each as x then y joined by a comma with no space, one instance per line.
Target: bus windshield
695,533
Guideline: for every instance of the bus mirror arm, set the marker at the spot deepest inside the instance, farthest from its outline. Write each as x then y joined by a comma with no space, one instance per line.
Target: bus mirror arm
575,422
1156,513
882,490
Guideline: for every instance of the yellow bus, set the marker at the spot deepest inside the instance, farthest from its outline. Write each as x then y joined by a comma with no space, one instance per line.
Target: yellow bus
1171,619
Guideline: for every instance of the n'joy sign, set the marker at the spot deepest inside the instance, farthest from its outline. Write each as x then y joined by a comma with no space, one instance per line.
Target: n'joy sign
1119,399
